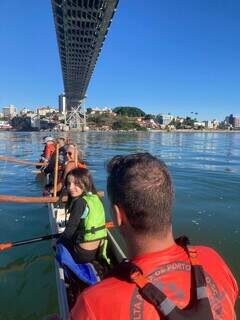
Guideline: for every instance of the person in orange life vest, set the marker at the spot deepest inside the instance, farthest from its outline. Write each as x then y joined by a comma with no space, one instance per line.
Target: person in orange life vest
141,194
48,149
73,161
62,158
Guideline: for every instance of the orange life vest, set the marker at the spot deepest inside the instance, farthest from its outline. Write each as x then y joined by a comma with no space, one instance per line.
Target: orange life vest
81,165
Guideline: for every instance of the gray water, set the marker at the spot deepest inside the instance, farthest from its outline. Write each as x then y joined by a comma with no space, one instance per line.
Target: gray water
206,173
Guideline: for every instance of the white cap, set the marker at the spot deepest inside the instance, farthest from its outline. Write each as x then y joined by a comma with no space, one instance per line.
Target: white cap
47,139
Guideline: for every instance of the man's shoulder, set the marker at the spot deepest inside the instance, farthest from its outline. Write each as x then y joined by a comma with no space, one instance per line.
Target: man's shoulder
205,252
214,264
205,249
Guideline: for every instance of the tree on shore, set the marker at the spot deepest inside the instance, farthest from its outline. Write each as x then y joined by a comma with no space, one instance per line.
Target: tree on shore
125,124
149,116
129,111
89,110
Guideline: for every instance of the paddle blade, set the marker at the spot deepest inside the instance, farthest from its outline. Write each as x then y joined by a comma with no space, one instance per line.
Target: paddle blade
5,246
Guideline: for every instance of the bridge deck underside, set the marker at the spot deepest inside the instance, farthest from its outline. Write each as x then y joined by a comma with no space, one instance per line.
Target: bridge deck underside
81,27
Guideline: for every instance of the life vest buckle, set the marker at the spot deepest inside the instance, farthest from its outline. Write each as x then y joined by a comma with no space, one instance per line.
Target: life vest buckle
93,230
137,277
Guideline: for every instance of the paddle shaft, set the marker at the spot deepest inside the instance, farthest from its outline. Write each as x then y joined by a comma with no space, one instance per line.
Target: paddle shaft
48,237
24,162
56,172
19,199
9,245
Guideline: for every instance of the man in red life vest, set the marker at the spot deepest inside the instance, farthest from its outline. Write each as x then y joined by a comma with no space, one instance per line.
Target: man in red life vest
175,282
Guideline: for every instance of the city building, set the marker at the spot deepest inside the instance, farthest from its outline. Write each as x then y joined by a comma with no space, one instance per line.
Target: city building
24,111
199,124
229,120
43,111
105,110
9,111
232,121
165,119
62,103
236,122
35,121
211,124
216,123
208,124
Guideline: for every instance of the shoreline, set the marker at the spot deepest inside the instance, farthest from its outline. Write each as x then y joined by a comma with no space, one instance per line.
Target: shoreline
196,131
148,130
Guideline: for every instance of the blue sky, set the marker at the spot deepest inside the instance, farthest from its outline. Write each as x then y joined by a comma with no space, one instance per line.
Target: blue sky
160,55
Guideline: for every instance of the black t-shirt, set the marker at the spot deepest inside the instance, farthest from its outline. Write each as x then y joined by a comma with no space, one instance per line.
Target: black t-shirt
74,229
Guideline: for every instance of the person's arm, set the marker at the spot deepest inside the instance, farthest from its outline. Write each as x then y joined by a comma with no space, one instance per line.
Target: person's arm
74,219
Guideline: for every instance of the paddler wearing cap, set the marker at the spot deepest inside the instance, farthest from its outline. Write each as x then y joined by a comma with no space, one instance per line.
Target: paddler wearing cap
48,150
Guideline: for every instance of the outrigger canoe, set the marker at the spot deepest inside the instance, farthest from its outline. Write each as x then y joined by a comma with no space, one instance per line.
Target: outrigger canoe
57,219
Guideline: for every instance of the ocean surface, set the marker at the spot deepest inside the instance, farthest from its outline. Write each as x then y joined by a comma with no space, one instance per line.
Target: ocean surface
206,171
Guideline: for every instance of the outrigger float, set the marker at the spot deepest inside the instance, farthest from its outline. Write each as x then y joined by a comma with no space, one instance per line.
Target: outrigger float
66,290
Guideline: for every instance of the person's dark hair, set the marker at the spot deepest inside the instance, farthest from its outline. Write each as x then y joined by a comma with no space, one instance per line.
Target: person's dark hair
141,184
83,178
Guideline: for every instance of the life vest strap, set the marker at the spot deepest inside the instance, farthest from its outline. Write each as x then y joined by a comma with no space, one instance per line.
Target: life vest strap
93,230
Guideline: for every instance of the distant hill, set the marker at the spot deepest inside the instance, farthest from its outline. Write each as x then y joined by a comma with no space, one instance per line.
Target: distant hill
129,111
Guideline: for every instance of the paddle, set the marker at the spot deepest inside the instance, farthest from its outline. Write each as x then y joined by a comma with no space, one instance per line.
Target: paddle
19,199
24,162
9,245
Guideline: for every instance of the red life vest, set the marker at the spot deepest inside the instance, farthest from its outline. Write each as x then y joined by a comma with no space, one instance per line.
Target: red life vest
199,306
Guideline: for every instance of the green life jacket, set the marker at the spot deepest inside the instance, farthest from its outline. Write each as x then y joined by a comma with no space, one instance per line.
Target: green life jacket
94,223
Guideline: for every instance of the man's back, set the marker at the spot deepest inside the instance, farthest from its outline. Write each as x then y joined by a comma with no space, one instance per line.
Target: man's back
169,270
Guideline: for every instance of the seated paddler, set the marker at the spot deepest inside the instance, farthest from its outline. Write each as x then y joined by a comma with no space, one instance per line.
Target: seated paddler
85,233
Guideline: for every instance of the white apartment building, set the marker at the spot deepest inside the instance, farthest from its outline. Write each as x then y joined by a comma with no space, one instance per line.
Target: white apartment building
165,119
42,111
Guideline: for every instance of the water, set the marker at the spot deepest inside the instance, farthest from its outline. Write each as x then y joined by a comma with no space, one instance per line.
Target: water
206,173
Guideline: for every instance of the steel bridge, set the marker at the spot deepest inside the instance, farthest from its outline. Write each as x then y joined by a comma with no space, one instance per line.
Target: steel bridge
81,28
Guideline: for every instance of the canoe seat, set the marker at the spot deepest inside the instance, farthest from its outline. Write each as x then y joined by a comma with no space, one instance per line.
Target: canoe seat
84,271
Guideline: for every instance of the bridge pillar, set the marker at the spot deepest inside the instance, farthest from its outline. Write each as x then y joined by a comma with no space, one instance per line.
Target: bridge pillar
76,117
